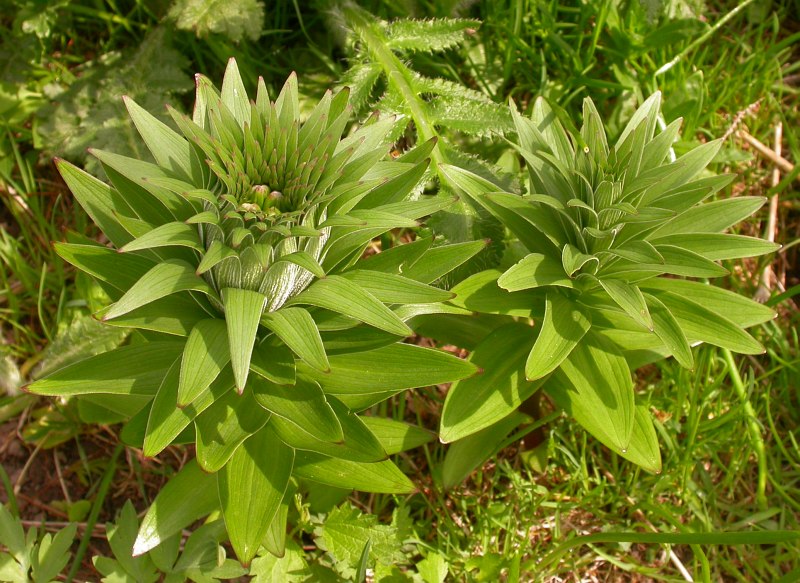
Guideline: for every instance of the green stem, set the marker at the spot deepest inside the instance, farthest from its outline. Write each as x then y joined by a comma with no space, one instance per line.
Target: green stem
102,491
697,42
690,538
753,428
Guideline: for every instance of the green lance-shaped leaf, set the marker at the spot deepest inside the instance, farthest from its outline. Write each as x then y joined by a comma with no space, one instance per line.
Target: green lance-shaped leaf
469,452
170,234
630,298
480,293
167,421
233,94
380,477
643,449
169,277
121,271
129,370
535,270
711,217
101,202
189,495
594,386
296,328
443,259
564,325
359,444
169,148
274,361
396,436
668,329
223,427
243,310
216,253
719,246
303,403
251,487
479,401
345,297
206,354
396,289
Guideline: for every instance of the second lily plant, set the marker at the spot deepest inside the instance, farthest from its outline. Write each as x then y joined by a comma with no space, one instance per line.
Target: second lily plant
265,329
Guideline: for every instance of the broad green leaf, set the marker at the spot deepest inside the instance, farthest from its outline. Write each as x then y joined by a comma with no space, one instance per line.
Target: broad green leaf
482,400
205,355
397,436
101,202
628,297
188,496
169,277
358,445
643,449
303,403
712,217
169,234
224,425
345,297
469,452
296,328
251,487
594,386
700,323
215,254
243,310
572,260
129,370
169,148
176,315
274,361
166,420
389,369
739,309
233,94
680,261
719,246
395,289
464,331
562,328
275,539
441,260
535,270
668,329
121,271
380,477
481,293
397,259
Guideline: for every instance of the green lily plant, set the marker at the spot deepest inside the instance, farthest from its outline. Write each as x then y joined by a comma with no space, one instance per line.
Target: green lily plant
607,271
261,331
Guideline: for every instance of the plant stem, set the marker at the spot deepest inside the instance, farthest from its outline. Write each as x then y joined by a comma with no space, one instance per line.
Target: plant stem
102,491
753,428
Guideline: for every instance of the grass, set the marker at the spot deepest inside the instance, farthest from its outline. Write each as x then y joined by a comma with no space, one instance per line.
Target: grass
731,458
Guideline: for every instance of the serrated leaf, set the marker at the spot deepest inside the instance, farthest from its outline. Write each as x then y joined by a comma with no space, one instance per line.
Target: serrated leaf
235,19
205,355
432,35
303,403
170,277
380,477
129,370
481,400
594,386
535,270
251,487
243,310
345,297
189,495
224,425
564,325
296,328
